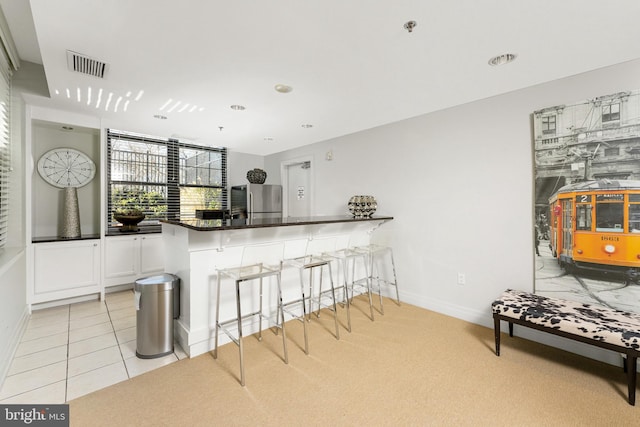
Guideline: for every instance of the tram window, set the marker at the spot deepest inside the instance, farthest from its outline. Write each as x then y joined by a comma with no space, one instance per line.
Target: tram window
583,217
634,218
609,217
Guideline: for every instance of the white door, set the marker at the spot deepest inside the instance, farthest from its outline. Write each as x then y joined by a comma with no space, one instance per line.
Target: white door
297,188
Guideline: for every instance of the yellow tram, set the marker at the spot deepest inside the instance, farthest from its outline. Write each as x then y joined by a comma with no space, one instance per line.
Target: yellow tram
596,225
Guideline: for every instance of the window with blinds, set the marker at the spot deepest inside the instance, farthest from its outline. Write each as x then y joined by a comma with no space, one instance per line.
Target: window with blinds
162,178
5,147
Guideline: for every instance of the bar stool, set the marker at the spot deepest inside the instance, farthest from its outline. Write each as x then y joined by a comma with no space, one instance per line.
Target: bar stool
349,258
313,259
326,248
258,262
376,255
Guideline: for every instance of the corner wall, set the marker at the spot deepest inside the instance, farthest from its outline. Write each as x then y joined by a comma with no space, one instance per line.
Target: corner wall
13,305
13,283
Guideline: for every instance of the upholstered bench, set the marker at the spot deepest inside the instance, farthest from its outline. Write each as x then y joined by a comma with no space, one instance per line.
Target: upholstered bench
589,323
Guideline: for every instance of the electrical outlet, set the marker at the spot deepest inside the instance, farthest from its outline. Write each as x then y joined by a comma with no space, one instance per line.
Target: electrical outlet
461,279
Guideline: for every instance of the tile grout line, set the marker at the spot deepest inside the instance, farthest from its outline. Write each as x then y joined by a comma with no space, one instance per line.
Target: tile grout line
33,353
117,341
68,343
67,347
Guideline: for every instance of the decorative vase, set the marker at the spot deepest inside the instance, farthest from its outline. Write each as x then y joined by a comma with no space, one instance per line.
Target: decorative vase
362,206
257,176
129,222
70,214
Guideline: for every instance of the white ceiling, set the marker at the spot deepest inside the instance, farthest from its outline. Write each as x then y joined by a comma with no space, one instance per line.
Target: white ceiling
351,63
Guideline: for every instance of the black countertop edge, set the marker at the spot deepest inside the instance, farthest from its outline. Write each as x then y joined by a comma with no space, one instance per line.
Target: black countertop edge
48,239
239,224
143,229
155,229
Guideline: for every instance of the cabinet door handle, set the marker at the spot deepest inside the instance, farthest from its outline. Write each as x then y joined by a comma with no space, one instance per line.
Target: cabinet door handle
95,244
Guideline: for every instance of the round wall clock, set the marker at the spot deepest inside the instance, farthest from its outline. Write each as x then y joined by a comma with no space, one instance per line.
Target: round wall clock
66,167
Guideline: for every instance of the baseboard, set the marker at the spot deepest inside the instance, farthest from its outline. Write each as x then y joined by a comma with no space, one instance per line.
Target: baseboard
485,318
65,301
197,342
118,288
9,350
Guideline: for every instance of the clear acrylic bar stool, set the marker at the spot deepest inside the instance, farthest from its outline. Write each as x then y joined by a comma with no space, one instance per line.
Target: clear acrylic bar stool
377,255
325,247
314,261
258,262
349,259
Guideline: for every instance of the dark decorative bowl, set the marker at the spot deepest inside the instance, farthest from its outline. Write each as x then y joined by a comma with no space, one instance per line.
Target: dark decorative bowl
257,176
129,222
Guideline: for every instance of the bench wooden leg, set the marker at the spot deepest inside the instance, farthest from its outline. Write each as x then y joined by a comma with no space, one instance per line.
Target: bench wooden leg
496,332
632,366
511,329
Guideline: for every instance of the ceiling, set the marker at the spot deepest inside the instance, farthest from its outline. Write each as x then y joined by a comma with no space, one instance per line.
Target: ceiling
351,64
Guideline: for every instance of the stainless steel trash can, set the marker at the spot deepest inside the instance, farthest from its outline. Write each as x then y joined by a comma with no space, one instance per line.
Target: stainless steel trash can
157,304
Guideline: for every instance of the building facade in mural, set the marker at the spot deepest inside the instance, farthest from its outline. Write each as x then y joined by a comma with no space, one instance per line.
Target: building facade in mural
595,139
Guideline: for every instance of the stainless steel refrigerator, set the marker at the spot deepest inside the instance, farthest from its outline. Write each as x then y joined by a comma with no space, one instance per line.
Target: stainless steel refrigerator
256,201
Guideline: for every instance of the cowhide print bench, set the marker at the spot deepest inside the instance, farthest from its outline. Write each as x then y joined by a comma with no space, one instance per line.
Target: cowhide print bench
589,323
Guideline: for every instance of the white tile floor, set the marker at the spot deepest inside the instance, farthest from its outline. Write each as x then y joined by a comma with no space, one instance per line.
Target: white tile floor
72,350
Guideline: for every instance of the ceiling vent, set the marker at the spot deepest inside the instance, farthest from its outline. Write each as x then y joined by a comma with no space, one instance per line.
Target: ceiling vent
86,65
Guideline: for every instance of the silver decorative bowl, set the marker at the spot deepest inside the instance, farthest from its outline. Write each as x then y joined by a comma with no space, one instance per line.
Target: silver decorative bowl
362,206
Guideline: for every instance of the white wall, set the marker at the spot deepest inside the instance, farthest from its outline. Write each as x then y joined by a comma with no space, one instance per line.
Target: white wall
13,293
238,164
459,183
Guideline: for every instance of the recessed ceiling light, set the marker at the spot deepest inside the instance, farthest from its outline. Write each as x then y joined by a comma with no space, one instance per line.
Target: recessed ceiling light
159,117
502,59
283,88
307,126
237,107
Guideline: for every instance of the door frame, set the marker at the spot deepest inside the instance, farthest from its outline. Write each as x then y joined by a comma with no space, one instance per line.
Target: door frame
284,165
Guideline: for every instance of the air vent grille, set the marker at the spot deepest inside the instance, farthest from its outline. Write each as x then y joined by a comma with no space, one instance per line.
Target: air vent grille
83,64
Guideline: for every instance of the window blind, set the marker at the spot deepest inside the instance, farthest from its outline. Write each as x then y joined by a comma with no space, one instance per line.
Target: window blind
5,146
201,182
163,178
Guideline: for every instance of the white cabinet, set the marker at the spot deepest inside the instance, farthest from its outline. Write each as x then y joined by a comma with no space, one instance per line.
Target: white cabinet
65,269
127,258
151,254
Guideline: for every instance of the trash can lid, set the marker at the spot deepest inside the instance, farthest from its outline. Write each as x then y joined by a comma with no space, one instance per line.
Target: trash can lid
161,282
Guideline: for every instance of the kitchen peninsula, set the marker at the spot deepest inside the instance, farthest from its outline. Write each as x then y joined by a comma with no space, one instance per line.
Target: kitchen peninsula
195,248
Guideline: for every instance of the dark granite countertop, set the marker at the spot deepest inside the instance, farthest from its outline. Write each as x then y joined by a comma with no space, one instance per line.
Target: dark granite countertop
237,224
48,239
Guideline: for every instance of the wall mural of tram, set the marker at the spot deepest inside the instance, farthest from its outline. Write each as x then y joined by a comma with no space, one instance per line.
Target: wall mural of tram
587,201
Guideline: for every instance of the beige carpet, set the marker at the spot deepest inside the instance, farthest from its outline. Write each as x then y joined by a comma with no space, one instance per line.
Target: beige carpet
408,367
